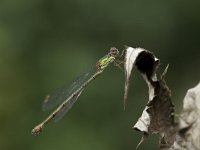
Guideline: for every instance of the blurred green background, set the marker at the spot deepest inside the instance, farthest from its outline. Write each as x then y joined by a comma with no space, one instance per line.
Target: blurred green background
45,43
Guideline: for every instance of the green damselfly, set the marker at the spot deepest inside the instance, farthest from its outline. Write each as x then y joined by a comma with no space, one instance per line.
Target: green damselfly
66,96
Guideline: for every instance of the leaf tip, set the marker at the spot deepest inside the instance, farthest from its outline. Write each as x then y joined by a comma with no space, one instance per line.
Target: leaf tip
144,137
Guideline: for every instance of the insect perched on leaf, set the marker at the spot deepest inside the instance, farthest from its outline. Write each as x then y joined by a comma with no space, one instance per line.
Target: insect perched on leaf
66,96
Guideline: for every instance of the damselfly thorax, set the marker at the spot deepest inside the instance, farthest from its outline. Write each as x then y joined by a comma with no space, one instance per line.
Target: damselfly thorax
107,59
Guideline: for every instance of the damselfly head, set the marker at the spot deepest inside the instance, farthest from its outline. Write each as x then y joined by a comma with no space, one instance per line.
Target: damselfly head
114,52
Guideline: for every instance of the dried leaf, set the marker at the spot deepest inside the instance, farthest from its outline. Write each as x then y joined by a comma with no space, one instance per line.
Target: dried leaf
157,116
188,136
142,59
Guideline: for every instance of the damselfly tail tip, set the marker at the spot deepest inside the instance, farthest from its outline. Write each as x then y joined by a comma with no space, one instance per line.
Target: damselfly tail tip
37,130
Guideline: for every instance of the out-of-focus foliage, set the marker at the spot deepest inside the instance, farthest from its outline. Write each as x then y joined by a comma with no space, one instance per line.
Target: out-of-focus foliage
188,136
45,43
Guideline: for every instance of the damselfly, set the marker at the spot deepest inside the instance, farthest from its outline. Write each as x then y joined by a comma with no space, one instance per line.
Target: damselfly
66,96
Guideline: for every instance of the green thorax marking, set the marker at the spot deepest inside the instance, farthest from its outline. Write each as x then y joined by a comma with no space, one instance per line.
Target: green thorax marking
109,58
105,61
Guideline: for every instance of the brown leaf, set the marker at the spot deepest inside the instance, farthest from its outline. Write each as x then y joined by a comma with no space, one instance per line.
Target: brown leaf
188,137
158,115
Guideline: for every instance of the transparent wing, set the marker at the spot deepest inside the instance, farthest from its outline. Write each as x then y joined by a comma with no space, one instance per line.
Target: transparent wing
60,114
61,94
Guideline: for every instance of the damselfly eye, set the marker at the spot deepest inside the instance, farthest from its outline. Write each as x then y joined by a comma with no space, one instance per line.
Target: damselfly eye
114,51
